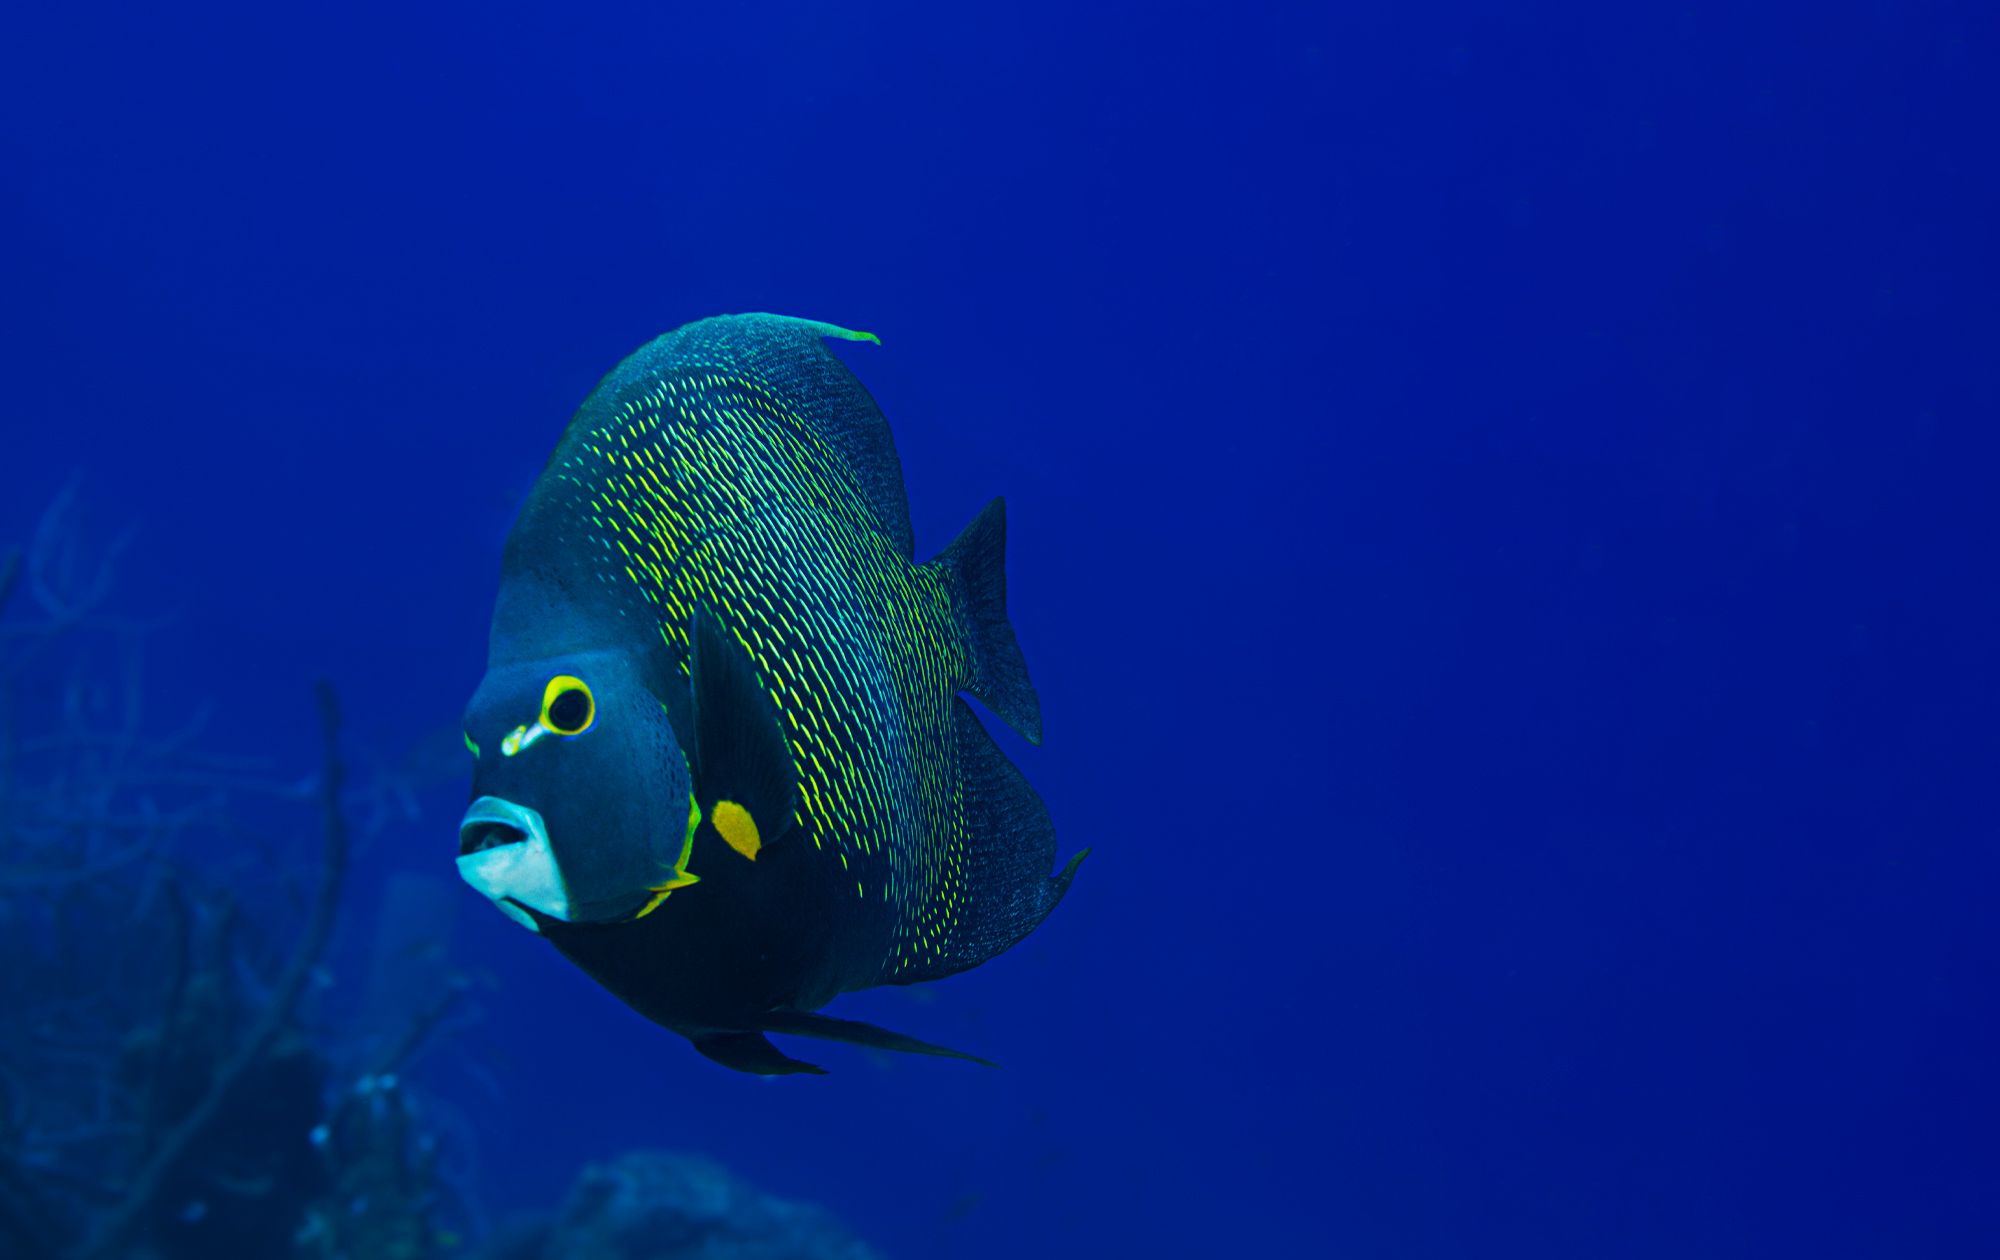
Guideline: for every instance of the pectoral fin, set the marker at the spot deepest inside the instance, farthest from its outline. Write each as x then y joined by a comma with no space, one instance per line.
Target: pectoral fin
743,773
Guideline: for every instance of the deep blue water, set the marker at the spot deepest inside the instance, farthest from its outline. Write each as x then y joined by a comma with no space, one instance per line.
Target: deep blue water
1501,525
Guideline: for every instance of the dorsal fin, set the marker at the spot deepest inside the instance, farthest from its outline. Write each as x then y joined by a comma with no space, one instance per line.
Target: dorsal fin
975,567
790,357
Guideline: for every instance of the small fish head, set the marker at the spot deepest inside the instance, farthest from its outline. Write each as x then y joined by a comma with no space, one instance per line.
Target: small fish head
580,791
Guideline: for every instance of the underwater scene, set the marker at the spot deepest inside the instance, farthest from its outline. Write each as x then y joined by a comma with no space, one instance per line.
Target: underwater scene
652,631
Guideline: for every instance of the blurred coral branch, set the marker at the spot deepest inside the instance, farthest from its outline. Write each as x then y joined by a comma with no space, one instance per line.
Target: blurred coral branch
113,1227
170,1083
67,585
10,569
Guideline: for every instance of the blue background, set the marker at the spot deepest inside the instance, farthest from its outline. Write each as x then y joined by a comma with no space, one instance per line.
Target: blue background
1501,525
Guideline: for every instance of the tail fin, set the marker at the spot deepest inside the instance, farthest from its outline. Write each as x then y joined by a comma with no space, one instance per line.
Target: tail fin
976,567
1008,888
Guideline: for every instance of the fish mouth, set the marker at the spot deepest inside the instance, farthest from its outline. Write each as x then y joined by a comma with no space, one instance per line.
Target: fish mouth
481,835
504,853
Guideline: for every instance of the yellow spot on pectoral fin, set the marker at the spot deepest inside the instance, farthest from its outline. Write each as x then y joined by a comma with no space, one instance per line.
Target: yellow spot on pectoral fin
737,828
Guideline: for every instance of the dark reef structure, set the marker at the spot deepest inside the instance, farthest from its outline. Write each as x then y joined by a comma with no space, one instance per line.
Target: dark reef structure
178,1077
663,1205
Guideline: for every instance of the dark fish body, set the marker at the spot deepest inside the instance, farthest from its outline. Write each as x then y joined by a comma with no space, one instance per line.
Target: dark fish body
721,537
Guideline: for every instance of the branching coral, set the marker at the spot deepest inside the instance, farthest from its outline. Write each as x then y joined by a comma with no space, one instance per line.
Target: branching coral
138,1202
160,1087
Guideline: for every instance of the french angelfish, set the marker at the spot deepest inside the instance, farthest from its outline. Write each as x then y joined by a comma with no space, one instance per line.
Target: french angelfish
721,759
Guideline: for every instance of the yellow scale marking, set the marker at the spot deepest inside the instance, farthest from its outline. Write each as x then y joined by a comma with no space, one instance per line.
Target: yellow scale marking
721,489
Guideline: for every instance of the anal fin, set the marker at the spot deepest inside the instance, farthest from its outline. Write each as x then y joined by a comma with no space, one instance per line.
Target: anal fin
752,1052
854,1032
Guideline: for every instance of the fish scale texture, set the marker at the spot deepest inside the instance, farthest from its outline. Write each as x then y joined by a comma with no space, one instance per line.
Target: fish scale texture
736,464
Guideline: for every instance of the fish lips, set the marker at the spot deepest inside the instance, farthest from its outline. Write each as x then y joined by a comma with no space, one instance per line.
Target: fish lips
504,853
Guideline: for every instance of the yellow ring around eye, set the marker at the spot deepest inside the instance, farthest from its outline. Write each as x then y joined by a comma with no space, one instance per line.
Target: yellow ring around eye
564,685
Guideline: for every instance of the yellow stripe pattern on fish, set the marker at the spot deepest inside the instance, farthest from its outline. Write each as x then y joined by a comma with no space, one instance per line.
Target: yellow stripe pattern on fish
705,485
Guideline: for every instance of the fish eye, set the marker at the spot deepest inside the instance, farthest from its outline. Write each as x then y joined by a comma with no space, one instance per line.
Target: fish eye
567,705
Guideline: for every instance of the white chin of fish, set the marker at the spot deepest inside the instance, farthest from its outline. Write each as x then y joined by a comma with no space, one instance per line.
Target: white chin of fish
521,873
